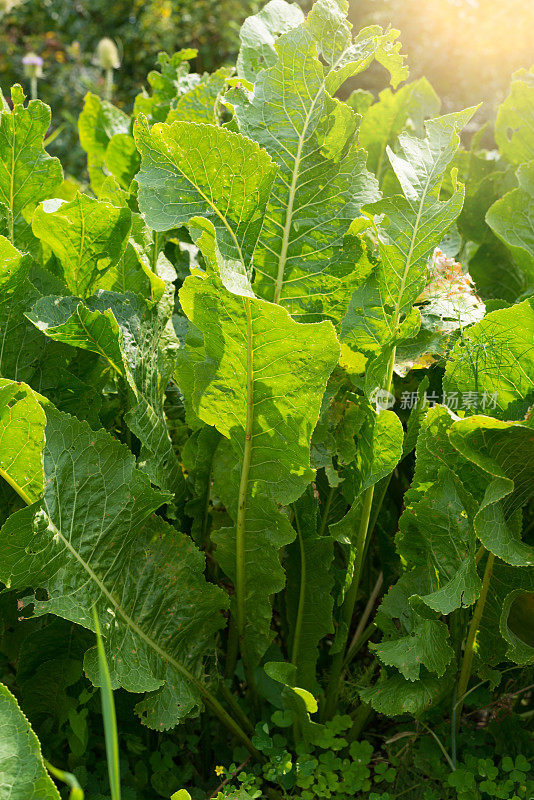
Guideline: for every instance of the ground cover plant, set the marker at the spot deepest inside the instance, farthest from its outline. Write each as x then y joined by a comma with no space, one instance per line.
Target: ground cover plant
266,427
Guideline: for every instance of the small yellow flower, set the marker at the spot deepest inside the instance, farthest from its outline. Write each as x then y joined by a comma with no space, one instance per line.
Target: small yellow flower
219,770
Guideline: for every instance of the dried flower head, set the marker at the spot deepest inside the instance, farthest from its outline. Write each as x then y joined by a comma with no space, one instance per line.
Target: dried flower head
33,65
107,55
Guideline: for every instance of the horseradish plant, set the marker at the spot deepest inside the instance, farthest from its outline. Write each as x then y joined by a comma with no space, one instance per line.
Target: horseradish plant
205,354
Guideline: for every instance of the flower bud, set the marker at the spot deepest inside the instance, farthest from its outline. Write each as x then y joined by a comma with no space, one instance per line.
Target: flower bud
107,55
33,65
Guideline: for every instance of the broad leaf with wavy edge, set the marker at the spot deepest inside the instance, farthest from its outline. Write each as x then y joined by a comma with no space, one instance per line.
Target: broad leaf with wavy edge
87,236
22,426
260,384
190,168
305,258
127,332
492,367
512,219
93,539
22,770
505,450
27,173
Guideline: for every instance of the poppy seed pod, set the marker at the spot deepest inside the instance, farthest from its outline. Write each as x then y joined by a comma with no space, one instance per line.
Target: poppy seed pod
107,55
33,65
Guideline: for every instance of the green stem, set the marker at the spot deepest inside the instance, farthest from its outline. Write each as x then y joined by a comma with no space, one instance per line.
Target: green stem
108,91
238,712
76,791
347,609
155,252
33,87
467,662
357,644
241,526
232,648
302,596
324,518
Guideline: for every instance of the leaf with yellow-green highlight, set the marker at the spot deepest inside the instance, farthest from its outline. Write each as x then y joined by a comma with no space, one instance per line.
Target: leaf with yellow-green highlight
27,173
87,236
22,770
191,169
260,383
22,426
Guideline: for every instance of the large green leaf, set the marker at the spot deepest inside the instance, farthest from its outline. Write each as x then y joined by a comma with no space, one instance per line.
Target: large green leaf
437,534
378,452
20,344
189,169
88,237
305,259
505,450
512,219
258,35
202,102
22,772
27,173
22,426
394,695
514,126
387,118
104,132
492,366
127,332
260,384
93,540
411,642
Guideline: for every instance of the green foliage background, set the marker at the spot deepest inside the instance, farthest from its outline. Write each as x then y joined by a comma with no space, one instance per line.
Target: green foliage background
467,49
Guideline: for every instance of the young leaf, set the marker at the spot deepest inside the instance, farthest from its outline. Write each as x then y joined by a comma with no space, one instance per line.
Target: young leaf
202,103
23,772
168,85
